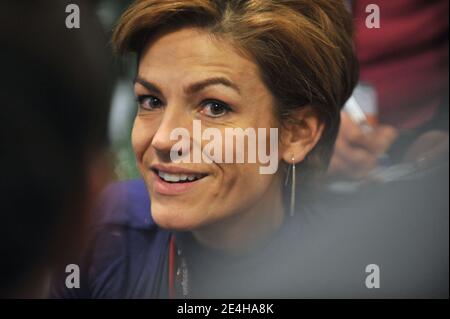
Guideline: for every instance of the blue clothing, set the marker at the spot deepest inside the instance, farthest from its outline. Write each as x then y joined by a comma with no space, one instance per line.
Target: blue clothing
127,253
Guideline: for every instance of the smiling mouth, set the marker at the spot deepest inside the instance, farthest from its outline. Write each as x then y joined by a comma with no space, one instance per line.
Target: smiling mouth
178,178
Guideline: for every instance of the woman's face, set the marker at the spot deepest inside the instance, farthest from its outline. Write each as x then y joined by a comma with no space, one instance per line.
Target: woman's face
185,76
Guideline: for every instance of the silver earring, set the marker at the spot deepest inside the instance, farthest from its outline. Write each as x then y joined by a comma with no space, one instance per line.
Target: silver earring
291,169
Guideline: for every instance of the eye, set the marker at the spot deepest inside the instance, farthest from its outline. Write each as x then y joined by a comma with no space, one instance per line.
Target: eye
148,102
215,108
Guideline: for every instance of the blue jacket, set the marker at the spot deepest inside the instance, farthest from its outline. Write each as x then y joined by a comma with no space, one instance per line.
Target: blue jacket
127,253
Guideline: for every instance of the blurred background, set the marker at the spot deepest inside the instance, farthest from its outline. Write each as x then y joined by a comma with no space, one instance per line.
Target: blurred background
123,102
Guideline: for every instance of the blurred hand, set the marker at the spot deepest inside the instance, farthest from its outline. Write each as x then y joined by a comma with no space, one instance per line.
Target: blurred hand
357,152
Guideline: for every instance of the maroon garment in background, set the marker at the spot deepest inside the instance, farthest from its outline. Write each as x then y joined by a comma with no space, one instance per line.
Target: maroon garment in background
406,59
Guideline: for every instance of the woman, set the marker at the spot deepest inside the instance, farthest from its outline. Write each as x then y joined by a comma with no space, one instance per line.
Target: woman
242,64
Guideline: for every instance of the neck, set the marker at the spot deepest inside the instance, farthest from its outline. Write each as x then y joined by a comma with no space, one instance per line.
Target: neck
242,232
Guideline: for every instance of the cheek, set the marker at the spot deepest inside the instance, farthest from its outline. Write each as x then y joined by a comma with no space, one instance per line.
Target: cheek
244,183
254,181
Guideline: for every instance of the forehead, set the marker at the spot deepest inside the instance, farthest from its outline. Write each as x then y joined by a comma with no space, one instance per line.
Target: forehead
194,53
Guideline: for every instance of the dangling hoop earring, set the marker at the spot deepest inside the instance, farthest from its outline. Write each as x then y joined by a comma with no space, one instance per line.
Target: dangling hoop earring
292,202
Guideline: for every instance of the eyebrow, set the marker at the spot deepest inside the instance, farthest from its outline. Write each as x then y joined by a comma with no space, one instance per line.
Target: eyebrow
197,87
148,85
192,88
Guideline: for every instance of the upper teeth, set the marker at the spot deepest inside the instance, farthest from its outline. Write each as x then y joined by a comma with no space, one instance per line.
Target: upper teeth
178,177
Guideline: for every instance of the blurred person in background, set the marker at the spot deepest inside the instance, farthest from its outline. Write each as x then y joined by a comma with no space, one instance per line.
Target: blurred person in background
406,63
388,191
54,95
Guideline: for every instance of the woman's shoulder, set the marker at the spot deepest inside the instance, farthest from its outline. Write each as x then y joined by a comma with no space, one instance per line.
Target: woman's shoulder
126,250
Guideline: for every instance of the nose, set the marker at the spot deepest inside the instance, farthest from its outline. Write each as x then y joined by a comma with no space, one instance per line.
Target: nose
174,118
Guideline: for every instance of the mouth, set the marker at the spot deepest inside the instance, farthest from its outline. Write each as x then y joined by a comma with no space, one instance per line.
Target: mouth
174,181
178,178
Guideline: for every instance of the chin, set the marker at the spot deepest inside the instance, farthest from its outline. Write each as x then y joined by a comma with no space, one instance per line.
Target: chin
172,218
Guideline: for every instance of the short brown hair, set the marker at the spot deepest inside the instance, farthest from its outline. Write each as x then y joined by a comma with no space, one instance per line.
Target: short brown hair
303,48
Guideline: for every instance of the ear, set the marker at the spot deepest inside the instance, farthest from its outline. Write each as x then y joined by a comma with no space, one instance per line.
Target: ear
300,134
